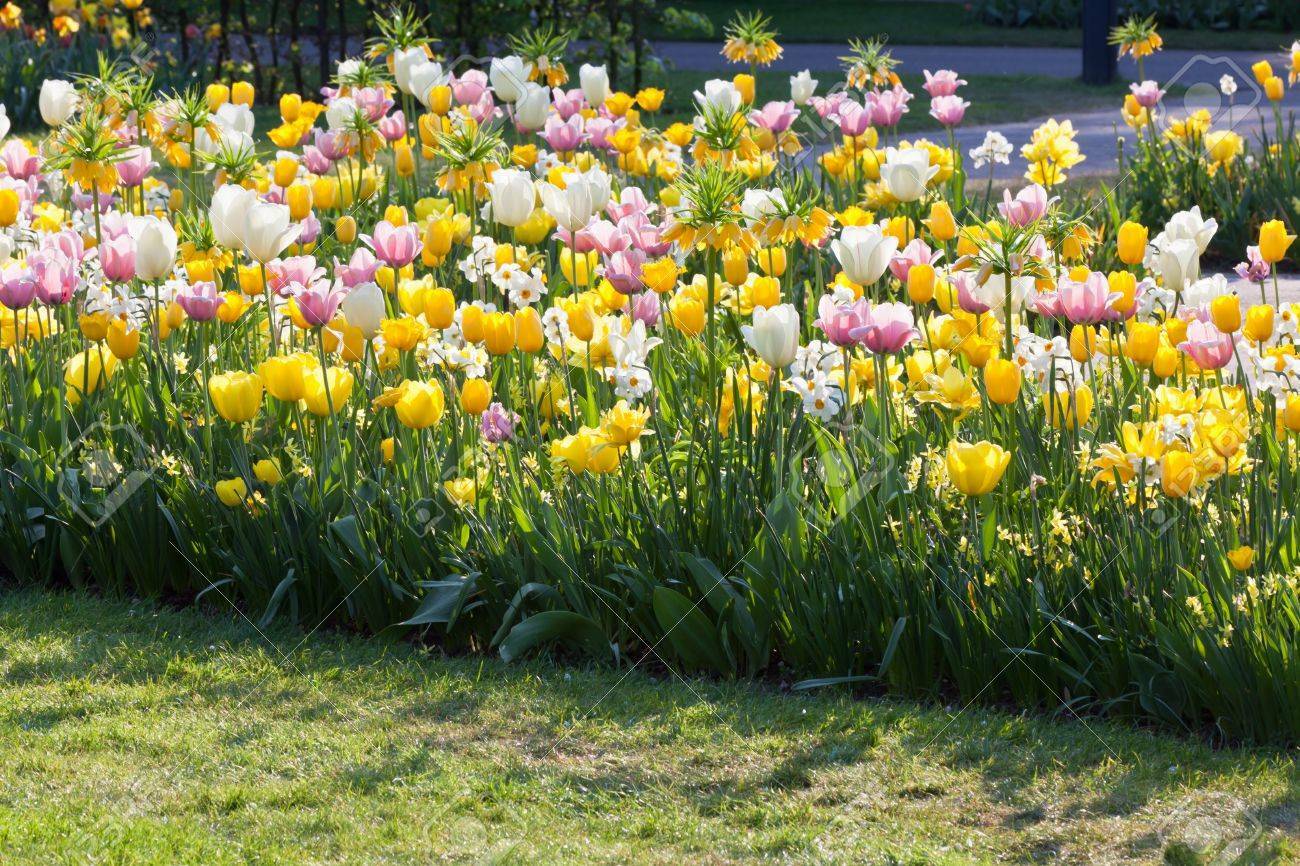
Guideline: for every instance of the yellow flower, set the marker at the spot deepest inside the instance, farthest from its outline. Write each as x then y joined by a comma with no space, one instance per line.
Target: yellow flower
1242,557
1067,408
268,471
237,396
475,395
1132,242
1178,474
421,405
1274,241
85,372
623,425
231,492
650,98
284,376
322,402
1002,381
463,492
975,469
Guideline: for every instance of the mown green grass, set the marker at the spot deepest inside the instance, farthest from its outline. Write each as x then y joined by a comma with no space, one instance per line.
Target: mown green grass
908,22
132,733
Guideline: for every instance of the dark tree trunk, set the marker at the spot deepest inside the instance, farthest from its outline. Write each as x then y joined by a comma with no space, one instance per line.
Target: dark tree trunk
323,41
295,49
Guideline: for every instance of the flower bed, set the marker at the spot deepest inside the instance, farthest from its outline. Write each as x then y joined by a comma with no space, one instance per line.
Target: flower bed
484,356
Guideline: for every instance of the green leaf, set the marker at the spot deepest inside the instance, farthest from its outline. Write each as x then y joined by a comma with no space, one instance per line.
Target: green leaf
556,625
693,638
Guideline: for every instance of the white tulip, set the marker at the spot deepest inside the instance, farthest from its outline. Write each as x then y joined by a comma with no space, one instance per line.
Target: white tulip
719,94
228,214
1179,263
508,76
905,173
1188,224
595,84
864,252
532,107
760,205
4,122
512,195
58,101
774,334
802,87
341,112
268,230
424,78
585,194
405,60
364,308
234,118
155,247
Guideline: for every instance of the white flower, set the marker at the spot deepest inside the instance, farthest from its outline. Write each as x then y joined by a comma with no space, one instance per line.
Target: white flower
341,113
555,325
994,149
155,247
268,230
632,348
802,87
720,94
584,195
58,101
364,308
595,84
508,76
512,195
631,382
821,397
1227,85
1188,224
864,252
533,105
760,205
228,214
525,288
423,77
1179,263
906,173
774,334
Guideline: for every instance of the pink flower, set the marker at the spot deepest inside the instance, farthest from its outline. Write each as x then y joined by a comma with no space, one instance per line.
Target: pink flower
603,236
888,108
17,288
373,102
359,269
200,301
948,110
484,109
19,161
1209,347
55,274
563,135
319,302
315,160
1254,269
854,119
646,308
67,242
915,253
568,103
828,106
886,329
966,297
630,202
838,323
1027,207
1147,94
599,130
397,246
333,145
281,274
308,229
623,270
135,167
1088,302
470,87
498,423
393,127
117,258
942,83
775,117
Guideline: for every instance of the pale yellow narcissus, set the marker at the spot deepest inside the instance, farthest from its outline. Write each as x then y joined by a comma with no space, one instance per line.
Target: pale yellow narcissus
976,468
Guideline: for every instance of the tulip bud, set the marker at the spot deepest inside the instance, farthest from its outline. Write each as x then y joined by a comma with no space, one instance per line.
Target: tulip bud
942,225
1225,312
1132,243
217,95
1263,71
286,169
290,107
1274,89
766,292
499,333
1143,341
298,197
772,261
440,99
1176,330
920,283
1291,413
1259,323
1002,381
9,207
475,395
1083,342
439,308
1274,241
1123,284
345,229
268,471
735,265
241,93
403,159
123,342
1166,362
1177,474
528,331
687,315
744,83
471,323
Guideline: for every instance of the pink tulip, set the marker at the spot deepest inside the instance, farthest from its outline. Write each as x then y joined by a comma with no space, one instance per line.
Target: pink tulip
599,130
563,136
775,117
966,297
1029,205
630,202
136,167
888,107
1088,302
374,102
360,268
623,270
17,288
309,229
468,88
646,308
886,329
567,104
484,109
942,83
915,253
854,119
200,301
397,246
838,322
1254,269
1148,94
281,274
319,302
498,423
828,106
117,258
948,110
602,236
1209,347
316,161
333,145
393,127
55,274
19,161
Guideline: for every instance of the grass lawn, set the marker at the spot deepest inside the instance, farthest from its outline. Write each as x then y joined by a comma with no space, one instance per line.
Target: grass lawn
993,98
933,23
138,734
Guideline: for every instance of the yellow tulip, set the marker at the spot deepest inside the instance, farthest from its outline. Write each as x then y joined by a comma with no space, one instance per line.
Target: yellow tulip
1143,341
1132,242
1242,557
268,471
1225,312
744,82
1274,241
284,376
529,334
85,372
345,229
236,395
920,283
1178,474
231,492
475,395
1069,408
320,401
976,468
241,93
1259,322
498,333
942,225
421,405
1002,381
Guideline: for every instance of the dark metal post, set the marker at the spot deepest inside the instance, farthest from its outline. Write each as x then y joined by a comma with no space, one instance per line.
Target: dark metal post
1098,57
